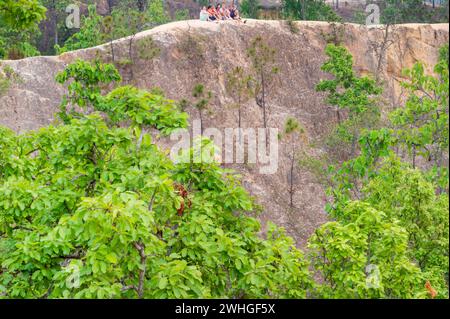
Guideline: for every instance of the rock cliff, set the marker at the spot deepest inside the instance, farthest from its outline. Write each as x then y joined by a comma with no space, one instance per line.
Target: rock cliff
193,52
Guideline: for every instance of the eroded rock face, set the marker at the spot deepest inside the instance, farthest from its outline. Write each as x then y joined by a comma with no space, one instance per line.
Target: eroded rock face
219,47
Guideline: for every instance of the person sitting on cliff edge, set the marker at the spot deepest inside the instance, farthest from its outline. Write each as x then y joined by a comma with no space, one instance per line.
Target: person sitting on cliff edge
234,13
213,15
204,14
219,13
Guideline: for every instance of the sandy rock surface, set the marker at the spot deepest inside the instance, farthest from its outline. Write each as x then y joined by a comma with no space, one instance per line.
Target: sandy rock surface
31,102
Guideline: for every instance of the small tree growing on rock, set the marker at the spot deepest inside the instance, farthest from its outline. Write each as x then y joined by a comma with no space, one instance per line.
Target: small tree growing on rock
421,125
193,47
238,86
201,103
86,82
7,78
293,132
129,22
264,66
356,96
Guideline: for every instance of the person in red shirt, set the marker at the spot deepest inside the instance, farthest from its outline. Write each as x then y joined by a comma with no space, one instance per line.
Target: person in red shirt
213,16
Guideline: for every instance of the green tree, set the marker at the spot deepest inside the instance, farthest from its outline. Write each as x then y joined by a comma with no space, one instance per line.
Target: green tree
21,15
406,196
202,100
124,20
18,23
89,209
124,103
56,13
417,11
239,87
86,82
182,14
249,8
157,13
293,132
364,257
356,96
421,126
346,90
316,10
141,108
89,34
401,199
265,70
387,214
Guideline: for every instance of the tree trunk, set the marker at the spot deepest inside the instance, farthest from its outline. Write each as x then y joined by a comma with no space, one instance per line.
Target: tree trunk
130,55
55,21
263,86
112,51
141,249
263,103
201,121
112,32
291,189
440,156
382,52
141,4
239,112
239,116
353,148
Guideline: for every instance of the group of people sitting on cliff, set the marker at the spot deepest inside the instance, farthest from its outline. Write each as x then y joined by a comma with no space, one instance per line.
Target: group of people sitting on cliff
219,13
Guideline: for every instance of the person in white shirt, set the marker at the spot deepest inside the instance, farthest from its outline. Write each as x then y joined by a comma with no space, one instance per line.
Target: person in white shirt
204,14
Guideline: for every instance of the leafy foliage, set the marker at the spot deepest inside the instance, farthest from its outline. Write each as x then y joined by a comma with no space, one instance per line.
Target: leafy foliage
22,14
239,86
354,95
182,14
418,11
103,223
316,10
421,126
18,24
390,228
89,209
126,103
249,8
123,104
263,59
8,77
86,82
403,197
92,208
346,90
293,133
89,35
343,252
123,21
